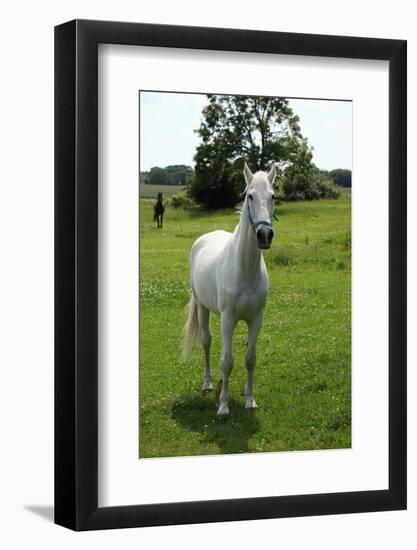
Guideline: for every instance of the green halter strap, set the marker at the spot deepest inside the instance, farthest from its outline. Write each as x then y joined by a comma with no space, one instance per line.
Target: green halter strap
258,222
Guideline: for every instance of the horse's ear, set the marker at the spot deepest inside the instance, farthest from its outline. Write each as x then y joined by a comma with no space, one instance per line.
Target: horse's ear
248,175
272,174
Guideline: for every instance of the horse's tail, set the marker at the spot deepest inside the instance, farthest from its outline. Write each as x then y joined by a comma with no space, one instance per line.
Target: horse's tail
191,329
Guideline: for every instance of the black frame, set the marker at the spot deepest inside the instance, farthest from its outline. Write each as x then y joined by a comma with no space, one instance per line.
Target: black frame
76,271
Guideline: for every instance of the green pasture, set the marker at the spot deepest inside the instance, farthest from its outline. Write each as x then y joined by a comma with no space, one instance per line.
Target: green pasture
303,374
150,191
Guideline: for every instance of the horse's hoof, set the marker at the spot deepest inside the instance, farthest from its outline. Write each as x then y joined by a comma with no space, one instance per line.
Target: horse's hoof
251,405
223,410
207,387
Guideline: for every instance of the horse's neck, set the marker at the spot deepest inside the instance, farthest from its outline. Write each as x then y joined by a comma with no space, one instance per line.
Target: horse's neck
246,246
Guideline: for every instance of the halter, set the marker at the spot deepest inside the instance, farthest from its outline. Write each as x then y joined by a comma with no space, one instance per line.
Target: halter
258,222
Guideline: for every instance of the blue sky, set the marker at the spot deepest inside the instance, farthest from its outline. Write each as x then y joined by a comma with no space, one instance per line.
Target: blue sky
168,121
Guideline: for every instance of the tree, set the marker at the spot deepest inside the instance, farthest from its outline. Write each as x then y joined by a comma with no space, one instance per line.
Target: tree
158,176
176,174
342,177
260,130
302,180
144,177
218,186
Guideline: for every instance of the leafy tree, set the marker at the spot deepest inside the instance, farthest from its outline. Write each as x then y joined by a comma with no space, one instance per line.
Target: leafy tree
219,186
342,177
158,176
260,130
177,174
304,181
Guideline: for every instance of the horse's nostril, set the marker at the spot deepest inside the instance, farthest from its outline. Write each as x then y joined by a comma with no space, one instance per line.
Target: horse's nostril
265,235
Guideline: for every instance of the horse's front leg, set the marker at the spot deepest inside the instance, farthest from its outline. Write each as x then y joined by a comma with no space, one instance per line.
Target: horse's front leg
254,326
228,324
162,218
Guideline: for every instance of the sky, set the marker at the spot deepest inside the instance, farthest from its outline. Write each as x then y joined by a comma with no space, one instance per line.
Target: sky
168,121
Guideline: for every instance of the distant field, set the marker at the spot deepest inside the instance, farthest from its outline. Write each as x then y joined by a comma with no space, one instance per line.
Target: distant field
303,374
148,191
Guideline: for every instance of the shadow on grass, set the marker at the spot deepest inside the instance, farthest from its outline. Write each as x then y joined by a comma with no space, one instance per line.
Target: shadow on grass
231,433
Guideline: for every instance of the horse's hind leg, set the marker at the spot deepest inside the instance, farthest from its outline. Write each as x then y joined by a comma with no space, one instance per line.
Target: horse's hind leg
204,324
254,326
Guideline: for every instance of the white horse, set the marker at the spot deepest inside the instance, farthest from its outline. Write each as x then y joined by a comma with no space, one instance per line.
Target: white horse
229,277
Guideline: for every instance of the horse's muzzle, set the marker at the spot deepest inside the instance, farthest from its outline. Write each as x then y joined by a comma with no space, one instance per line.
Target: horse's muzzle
265,235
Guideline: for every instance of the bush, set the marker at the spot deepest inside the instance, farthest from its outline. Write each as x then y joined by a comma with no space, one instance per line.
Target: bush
278,189
218,185
299,186
181,200
327,189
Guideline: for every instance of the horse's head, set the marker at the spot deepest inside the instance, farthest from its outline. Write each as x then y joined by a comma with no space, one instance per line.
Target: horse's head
259,202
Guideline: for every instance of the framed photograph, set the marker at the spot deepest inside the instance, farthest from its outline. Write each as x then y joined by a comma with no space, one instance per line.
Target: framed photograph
230,275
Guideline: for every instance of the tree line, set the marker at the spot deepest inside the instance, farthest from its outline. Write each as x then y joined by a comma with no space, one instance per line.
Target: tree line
176,174
341,177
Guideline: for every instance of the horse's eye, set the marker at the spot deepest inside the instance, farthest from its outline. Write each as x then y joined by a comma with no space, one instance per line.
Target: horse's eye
250,196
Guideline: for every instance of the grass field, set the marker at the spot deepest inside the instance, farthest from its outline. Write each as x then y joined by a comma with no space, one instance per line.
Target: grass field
303,373
149,191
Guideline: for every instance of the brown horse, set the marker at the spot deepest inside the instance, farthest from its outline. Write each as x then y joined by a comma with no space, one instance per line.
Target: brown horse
158,211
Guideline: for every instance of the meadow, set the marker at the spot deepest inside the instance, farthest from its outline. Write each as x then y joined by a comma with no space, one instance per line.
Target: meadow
150,191
303,372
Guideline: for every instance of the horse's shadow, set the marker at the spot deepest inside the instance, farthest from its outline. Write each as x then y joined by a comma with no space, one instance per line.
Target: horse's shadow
232,433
